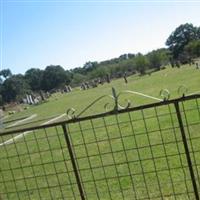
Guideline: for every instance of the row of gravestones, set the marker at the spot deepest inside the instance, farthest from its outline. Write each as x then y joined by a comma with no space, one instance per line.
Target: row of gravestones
197,65
66,89
100,81
33,99
94,83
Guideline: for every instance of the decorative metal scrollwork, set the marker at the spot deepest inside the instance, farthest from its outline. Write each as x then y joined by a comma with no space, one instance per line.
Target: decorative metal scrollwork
71,113
116,106
182,90
165,94
109,107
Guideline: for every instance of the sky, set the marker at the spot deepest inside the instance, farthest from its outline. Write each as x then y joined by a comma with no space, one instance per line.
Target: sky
38,33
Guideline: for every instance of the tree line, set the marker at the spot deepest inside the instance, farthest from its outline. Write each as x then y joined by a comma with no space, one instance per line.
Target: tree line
183,46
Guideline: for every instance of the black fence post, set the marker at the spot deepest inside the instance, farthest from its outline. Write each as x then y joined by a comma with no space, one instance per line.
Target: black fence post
189,161
71,153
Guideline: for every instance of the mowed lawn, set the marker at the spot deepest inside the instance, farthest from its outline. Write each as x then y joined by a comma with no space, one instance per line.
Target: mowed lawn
170,78
134,155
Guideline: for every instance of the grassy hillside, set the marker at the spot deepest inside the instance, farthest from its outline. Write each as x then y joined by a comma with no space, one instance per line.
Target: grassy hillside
170,78
135,155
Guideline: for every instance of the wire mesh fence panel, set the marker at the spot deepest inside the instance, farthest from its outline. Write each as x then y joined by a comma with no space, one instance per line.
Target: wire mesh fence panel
148,152
134,155
36,165
191,120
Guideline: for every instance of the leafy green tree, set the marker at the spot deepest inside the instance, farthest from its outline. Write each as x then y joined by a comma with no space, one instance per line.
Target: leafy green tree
54,76
141,63
100,72
77,79
1,100
69,76
6,73
34,78
157,58
78,70
192,49
198,32
90,66
181,37
14,88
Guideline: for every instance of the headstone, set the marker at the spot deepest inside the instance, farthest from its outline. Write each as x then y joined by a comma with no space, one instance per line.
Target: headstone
66,89
31,99
108,78
69,88
28,100
125,78
87,85
83,87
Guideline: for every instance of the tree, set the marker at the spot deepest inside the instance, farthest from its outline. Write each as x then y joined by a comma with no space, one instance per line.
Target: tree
77,79
1,100
180,38
54,76
90,66
69,76
157,58
198,32
192,49
14,88
100,72
78,70
34,78
141,63
6,73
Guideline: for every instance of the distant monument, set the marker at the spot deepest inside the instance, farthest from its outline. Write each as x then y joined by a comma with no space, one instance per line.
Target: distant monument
197,65
125,78
108,78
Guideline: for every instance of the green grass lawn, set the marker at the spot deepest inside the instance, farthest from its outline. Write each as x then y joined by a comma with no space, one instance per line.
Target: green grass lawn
169,79
134,155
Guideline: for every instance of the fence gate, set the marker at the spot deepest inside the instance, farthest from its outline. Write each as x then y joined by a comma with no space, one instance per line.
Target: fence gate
146,152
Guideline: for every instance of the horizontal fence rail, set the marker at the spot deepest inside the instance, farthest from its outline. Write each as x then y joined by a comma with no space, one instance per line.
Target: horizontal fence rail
147,152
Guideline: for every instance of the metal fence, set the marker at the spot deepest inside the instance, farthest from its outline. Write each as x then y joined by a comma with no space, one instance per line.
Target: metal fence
147,152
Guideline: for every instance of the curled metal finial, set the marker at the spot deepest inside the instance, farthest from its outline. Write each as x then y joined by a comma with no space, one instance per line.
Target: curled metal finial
128,104
182,90
108,107
71,113
94,102
165,94
118,106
